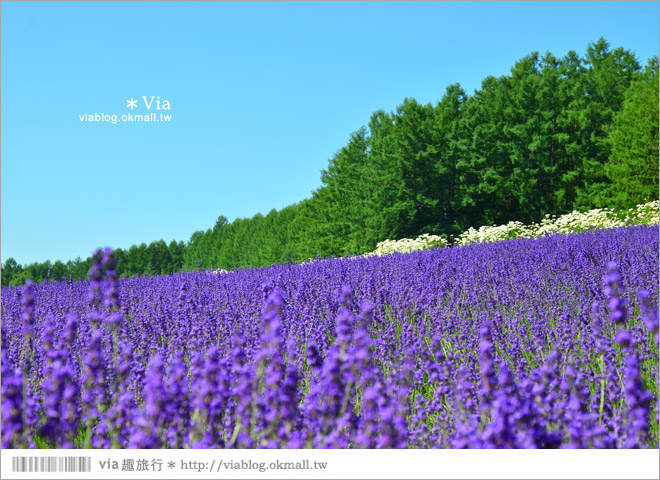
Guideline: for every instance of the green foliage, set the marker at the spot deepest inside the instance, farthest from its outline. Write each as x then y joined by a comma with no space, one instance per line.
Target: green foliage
156,258
607,78
633,163
10,270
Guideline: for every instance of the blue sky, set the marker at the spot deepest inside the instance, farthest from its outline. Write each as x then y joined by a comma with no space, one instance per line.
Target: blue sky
261,94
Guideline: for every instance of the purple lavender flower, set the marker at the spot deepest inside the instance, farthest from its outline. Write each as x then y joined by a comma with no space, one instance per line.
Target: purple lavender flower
109,262
94,395
181,298
623,338
209,401
245,395
649,312
149,427
12,401
367,436
488,379
70,330
614,289
314,360
27,315
177,409
639,403
467,425
500,432
60,392
114,428
288,401
95,276
48,340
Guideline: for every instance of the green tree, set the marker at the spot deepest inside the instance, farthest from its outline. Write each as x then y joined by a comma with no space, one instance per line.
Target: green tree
488,197
10,269
608,76
633,163
451,138
341,203
20,277
58,271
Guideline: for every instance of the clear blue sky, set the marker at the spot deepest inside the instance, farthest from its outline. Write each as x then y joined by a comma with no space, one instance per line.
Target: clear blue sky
262,95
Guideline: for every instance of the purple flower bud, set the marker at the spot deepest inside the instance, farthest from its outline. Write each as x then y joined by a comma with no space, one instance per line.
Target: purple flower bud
149,427
612,282
488,379
27,306
114,320
639,402
623,338
313,358
181,299
345,297
618,314
111,283
649,312
95,276
12,401
70,330
94,395
614,289
60,392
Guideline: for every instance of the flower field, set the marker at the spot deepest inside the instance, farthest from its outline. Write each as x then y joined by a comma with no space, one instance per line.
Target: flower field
526,343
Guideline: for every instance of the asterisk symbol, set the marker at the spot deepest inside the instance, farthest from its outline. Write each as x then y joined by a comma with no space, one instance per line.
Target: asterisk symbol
171,464
131,103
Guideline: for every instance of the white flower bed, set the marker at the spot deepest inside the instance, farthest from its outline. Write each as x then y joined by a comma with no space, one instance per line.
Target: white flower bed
574,222
406,245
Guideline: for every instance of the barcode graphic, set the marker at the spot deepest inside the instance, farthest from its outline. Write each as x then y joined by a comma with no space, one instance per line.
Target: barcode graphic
51,464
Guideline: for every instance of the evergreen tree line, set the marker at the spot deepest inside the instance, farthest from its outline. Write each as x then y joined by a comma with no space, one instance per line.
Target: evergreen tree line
153,259
555,135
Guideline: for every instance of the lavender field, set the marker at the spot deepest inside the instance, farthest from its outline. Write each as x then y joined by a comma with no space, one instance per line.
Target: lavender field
529,343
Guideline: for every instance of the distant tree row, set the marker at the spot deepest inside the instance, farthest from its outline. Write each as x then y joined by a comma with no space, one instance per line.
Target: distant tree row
155,258
15,274
555,135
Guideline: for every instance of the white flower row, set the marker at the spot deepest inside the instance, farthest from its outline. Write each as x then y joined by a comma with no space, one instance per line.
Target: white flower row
574,222
406,245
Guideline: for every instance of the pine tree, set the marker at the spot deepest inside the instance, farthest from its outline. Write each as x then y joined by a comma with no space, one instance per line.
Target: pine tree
633,164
